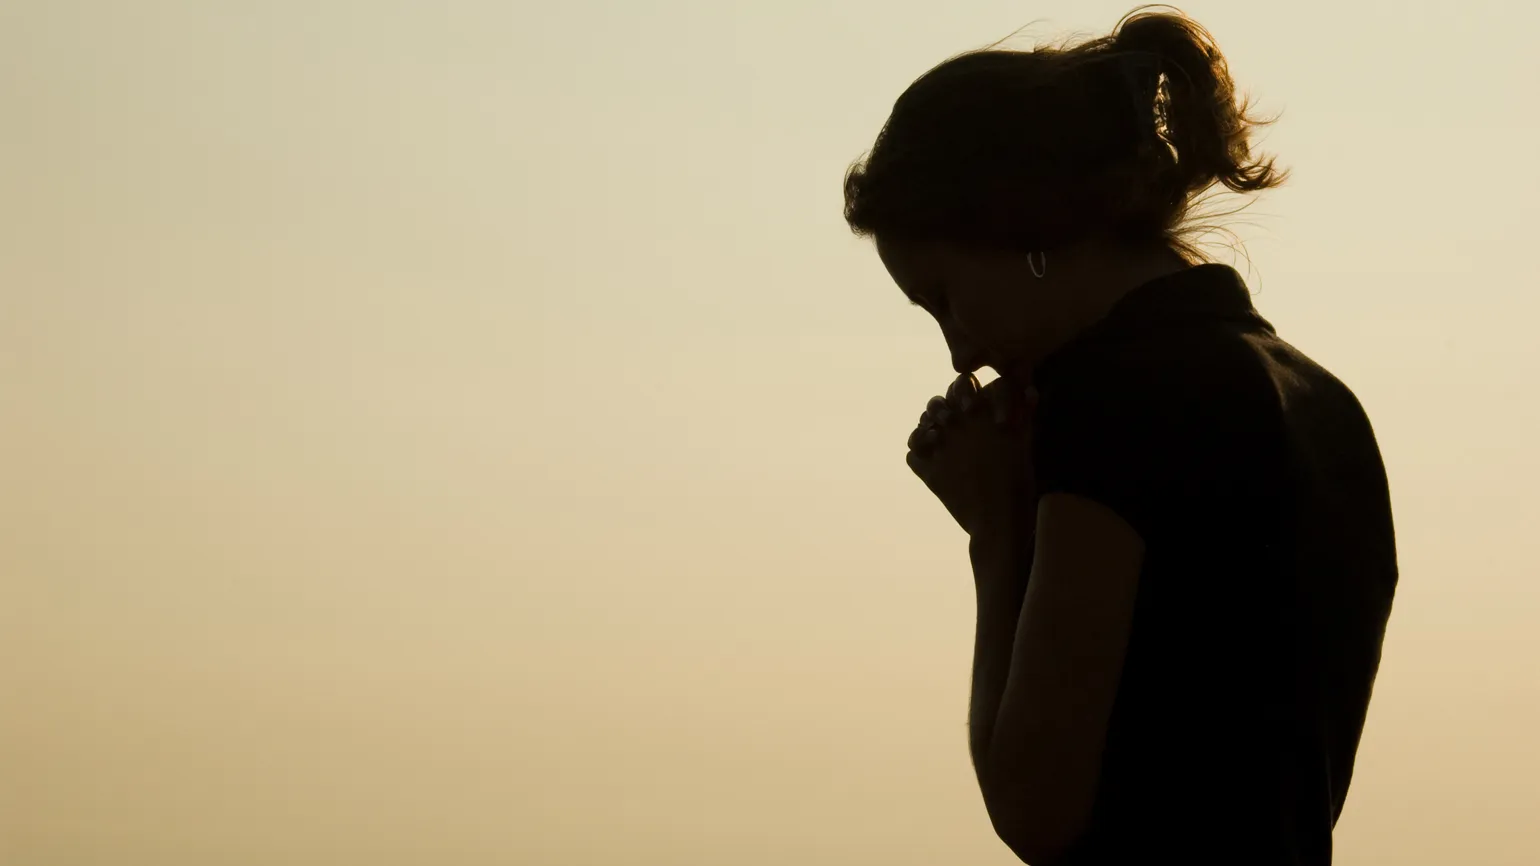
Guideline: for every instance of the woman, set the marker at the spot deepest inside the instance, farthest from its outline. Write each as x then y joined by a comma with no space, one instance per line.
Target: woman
1185,572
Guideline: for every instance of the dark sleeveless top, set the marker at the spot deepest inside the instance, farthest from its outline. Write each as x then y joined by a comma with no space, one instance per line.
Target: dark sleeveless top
1254,478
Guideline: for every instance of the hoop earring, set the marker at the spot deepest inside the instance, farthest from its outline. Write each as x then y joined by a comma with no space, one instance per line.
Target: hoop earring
1035,272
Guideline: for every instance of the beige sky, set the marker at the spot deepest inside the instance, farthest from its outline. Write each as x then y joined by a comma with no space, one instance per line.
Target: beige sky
465,432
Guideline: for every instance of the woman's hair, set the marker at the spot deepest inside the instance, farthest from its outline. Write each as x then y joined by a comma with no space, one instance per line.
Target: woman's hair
1035,150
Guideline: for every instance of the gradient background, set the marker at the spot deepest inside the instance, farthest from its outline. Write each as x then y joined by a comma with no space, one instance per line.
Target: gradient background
466,433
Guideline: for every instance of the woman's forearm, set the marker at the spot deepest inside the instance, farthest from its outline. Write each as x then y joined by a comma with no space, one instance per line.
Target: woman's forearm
1001,562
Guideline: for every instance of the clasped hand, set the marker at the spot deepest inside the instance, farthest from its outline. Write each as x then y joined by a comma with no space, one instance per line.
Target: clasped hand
972,448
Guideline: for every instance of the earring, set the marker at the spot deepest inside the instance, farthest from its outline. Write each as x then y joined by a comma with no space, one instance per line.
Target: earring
1035,272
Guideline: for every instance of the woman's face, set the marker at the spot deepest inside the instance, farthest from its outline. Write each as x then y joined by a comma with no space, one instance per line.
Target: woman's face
984,302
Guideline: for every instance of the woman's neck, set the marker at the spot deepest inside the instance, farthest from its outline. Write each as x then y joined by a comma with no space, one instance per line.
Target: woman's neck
1097,275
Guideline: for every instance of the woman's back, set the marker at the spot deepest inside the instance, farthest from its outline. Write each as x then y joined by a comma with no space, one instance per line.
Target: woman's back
1254,478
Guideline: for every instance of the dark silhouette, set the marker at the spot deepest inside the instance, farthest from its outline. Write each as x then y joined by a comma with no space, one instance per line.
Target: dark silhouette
1179,524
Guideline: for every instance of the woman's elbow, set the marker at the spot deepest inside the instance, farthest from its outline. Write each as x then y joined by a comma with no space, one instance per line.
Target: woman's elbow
1034,848
1038,834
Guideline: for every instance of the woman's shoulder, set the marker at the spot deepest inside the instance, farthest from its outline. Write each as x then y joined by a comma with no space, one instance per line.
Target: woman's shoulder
1198,368
1215,402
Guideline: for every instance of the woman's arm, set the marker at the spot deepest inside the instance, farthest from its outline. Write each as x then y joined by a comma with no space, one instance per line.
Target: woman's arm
1039,764
1002,560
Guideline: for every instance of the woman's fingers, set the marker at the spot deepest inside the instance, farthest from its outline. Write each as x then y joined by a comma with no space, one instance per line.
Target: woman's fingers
923,442
963,396
963,393
937,412
927,433
917,438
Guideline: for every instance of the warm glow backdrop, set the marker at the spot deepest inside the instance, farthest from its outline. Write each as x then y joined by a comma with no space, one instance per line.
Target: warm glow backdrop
465,432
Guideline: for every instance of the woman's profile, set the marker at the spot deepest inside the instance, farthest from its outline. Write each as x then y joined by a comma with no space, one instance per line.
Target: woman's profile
1179,525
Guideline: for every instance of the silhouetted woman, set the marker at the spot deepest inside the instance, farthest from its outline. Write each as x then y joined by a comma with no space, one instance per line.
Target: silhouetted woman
1180,528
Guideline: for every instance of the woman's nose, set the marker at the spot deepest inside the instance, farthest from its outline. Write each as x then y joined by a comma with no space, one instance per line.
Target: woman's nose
966,359
966,355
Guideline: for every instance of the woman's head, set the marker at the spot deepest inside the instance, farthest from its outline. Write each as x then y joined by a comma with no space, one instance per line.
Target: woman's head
1091,154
